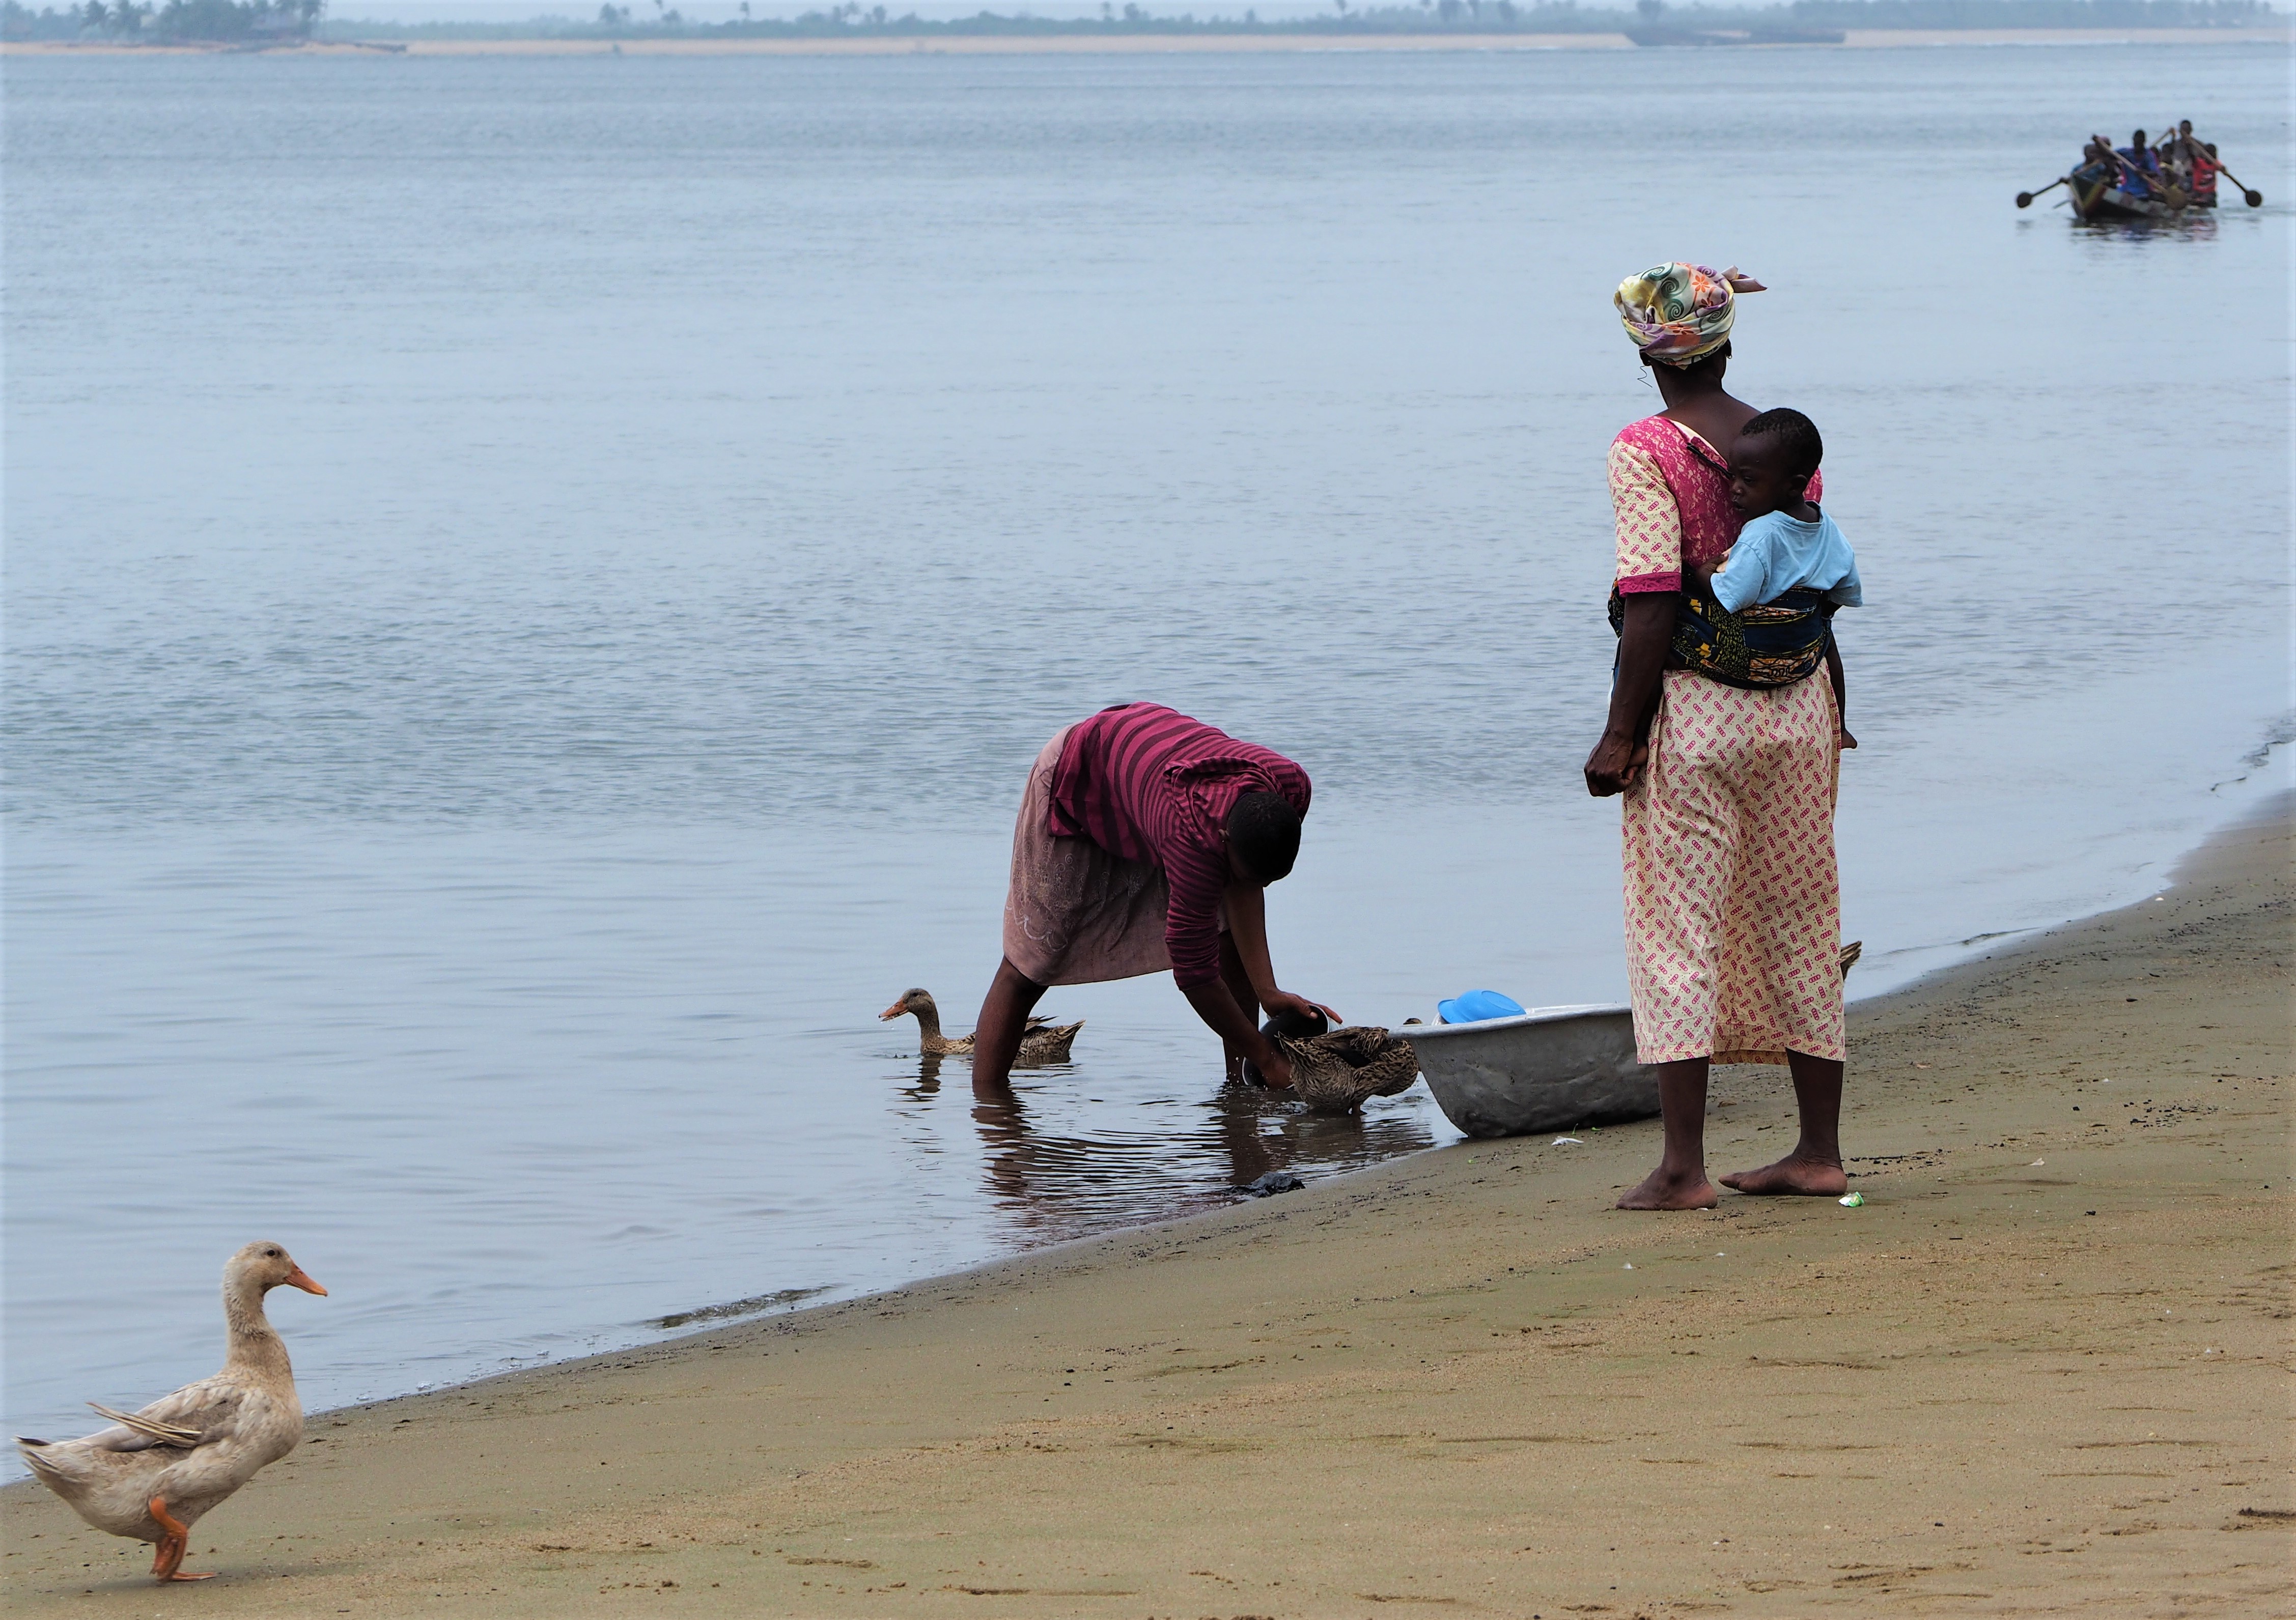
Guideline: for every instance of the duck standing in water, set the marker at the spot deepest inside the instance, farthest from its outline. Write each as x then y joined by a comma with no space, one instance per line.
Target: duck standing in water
157,1472
1042,1042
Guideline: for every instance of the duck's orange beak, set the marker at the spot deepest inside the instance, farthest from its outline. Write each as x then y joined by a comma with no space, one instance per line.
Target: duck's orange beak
301,1278
893,1011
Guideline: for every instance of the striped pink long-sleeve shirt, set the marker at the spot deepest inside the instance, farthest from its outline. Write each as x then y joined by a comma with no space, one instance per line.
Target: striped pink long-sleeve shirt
1149,784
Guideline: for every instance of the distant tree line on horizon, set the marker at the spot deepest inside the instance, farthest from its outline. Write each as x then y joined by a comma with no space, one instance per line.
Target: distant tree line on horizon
202,21
849,18
2030,13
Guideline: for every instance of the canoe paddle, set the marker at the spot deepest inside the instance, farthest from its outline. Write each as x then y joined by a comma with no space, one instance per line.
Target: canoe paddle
2254,200
2025,199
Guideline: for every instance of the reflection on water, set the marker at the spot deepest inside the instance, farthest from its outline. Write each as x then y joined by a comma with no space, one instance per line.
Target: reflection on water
1051,1184
2194,225
1052,1187
928,1078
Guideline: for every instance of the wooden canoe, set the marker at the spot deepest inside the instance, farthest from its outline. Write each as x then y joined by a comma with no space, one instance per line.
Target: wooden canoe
2096,200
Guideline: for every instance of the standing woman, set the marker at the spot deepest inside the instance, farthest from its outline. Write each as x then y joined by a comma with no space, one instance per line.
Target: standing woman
1734,917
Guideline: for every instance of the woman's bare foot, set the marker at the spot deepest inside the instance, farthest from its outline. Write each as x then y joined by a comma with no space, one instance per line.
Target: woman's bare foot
1665,1189
1812,1178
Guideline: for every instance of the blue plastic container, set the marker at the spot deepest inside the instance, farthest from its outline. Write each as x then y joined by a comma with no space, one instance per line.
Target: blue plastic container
1477,1005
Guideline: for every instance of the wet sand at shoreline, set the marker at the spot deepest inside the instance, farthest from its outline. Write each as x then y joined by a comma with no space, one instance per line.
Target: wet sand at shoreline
2045,1365
974,44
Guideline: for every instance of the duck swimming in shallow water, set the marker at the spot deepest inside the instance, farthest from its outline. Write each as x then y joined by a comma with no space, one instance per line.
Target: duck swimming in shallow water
157,1472
1041,1041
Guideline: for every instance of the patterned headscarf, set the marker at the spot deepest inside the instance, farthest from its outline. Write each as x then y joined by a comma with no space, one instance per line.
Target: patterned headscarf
1678,313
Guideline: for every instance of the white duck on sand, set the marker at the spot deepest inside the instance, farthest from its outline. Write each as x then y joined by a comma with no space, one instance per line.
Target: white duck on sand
1042,1042
155,1473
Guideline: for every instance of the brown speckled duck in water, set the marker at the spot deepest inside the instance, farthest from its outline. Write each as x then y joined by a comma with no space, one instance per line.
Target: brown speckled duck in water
1043,1041
157,1472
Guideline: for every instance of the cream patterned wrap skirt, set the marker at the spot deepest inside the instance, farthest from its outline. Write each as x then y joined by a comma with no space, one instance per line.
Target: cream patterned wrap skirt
1734,909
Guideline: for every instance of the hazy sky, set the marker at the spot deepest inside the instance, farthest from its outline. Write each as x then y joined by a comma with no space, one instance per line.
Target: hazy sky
713,10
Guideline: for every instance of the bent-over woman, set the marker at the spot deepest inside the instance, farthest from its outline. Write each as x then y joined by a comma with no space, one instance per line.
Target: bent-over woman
1146,840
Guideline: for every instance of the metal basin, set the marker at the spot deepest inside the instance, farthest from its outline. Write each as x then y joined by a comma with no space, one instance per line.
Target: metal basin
1549,1068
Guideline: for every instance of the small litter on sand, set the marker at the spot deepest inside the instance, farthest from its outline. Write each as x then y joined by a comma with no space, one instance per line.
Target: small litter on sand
2037,1164
1856,1200
1628,1266
1573,1141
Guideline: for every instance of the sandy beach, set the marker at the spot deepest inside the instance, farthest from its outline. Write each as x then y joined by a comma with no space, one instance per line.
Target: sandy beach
1075,45
2044,1367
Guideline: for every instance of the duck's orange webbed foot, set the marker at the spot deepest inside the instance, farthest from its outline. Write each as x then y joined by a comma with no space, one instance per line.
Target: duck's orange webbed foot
167,1564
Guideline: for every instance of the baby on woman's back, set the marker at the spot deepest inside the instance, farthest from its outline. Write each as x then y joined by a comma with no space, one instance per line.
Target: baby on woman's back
1787,544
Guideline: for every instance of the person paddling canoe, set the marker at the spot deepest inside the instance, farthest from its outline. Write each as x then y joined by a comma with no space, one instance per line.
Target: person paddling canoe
2140,168
2195,165
1146,840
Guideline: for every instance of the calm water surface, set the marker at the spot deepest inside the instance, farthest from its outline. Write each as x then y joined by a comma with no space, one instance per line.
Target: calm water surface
532,584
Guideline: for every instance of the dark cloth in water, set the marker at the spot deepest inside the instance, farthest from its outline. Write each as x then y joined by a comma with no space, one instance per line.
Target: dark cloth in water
1775,645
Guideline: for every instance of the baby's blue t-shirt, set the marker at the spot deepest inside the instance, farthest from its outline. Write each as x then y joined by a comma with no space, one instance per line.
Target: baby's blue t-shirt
1775,553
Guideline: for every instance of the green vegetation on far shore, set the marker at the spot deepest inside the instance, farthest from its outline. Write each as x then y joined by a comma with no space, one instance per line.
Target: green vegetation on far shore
257,21
219,21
